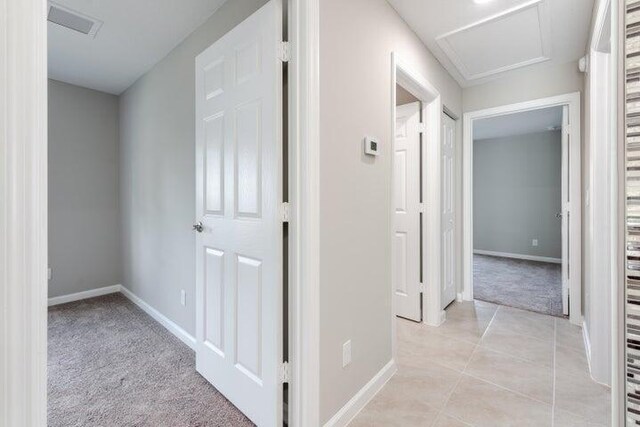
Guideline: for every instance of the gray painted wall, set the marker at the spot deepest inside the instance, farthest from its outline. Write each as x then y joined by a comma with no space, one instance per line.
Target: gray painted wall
157,159
84,225
517,193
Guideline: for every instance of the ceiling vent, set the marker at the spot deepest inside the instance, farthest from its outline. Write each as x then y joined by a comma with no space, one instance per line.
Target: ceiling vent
73,20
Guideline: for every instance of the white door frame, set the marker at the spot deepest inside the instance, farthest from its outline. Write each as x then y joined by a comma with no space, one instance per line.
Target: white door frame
602,199
404,75
575,188
304,219
23,189
23,213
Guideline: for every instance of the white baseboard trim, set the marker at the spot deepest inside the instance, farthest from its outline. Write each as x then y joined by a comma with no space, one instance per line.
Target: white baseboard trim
172,327
587,348
587,343
84,295
519,256
353,407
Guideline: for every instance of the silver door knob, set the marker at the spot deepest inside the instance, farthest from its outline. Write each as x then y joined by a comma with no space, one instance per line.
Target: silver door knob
198,227
559,215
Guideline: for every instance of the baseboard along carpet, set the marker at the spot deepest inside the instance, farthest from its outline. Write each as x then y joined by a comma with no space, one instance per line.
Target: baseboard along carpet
529,285
110,364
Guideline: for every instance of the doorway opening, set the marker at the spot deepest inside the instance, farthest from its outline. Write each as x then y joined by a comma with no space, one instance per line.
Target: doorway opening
522,235
194,324
416,193
517,217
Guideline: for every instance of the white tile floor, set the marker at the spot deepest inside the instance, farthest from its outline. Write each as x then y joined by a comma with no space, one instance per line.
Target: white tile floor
493,366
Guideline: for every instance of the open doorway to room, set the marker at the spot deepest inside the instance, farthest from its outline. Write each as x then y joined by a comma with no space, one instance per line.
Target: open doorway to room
422,167
517,210
168,213
522,198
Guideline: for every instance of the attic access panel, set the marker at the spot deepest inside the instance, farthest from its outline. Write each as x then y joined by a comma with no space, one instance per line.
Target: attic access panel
512,39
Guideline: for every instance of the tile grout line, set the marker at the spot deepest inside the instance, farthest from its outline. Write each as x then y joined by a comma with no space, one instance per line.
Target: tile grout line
462,373
521,359
479,345
518,393
494,384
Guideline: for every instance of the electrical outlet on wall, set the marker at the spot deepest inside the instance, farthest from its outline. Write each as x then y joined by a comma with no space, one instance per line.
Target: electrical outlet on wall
346,354
534,242
183,297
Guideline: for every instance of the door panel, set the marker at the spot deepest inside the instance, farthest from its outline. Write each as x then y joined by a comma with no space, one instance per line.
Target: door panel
214,300
448,212
238,195
406,237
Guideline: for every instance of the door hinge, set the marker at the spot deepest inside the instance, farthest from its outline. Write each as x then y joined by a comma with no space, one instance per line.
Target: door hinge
284,51
421,287
421,208
567,129
285,211
285,372
422,128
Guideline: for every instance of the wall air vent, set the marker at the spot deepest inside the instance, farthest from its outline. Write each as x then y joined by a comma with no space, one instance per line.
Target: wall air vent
73,20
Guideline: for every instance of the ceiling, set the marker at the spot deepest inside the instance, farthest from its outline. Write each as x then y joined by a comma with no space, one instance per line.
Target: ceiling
133,37
477,43
532,121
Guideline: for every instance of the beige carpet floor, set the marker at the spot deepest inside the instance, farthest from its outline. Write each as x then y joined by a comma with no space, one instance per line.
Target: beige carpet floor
112,365
529,285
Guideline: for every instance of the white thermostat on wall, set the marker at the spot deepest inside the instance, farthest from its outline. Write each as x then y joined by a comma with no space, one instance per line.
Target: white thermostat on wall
371,146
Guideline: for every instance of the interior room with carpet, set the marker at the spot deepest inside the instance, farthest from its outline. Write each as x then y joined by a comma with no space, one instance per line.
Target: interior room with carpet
517,210
311,213
122,161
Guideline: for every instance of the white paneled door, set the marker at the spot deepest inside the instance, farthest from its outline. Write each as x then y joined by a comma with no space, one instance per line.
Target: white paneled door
448,213
406,228
239,255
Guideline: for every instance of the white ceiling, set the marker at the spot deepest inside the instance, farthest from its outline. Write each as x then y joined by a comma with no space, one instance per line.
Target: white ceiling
533,121
481,42
134,36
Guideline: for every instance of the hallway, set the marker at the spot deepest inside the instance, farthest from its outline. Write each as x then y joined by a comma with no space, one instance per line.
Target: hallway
489,365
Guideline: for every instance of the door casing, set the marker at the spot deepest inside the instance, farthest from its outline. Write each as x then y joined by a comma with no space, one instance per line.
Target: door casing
572,100
411,80
25,31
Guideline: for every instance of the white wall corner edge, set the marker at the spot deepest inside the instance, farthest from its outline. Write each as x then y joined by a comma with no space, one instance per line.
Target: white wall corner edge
353,407
168,324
